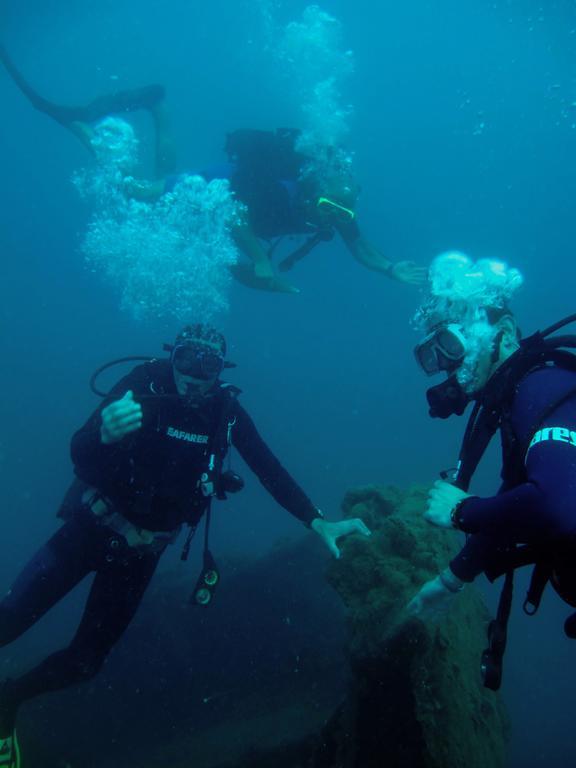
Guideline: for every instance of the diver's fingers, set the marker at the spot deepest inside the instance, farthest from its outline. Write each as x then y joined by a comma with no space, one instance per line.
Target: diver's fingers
357,526
127,421
121,415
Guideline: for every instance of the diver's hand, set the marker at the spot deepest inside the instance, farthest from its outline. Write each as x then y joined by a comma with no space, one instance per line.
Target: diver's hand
435,597
331,532
120,418
409,272
442,499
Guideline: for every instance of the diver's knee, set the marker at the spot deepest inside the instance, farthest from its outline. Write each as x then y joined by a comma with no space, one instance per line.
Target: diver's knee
87,667
86,662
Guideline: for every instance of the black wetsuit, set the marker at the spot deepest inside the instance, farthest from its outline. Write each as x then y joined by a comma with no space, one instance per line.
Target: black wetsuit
537,500
151,478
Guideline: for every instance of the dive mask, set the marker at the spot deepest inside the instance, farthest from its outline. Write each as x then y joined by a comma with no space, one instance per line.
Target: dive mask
197,360
442,350
330,206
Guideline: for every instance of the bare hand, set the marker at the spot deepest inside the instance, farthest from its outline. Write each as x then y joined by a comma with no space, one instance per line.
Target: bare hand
331,532
120,418
409,272
431,602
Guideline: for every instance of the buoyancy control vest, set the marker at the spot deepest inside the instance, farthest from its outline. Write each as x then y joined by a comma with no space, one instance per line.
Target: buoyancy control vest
554,560
267,164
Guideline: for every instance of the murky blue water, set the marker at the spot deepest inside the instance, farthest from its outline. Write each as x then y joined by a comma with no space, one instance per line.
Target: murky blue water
463,128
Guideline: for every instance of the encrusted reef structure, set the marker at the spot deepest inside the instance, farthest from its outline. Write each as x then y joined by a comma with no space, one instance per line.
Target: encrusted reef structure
415,699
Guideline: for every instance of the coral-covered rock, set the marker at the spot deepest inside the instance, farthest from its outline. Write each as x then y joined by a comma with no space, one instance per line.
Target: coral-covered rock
416,699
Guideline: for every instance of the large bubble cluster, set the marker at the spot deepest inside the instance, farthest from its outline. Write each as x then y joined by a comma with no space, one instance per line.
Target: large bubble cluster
169,258
316,65
463,291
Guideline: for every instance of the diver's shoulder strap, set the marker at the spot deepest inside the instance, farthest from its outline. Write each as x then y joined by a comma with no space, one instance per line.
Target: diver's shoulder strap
492,410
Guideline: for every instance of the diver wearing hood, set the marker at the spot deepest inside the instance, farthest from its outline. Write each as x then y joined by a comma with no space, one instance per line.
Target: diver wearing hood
526,389
148,461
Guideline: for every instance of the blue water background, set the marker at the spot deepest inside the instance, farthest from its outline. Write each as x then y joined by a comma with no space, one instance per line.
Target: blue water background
464,133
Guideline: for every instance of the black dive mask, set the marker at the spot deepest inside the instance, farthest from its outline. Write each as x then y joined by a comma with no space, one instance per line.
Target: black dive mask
443,349
447,399
197,361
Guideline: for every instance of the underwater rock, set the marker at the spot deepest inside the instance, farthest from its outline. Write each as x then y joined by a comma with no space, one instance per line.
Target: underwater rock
415,698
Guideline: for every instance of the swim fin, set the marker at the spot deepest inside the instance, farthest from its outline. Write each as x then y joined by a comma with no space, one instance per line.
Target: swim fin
10,752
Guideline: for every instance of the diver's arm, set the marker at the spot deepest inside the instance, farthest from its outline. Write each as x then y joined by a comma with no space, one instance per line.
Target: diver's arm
277,481
543,506
285,490
368,255
93,458
363,251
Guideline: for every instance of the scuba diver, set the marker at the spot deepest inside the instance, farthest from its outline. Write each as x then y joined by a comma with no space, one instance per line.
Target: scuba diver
283,192
148,461
526,389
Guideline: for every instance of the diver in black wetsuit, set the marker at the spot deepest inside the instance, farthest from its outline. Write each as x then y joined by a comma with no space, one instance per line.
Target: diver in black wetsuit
283,191
147,462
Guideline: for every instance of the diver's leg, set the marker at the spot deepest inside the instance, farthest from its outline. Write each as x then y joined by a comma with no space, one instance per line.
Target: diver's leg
69,117
114,598
55,569
79,120
131,100
150,98
58,566
165,150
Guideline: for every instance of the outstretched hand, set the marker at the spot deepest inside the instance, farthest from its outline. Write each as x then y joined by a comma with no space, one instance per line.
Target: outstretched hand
120,418
331,532
409,272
